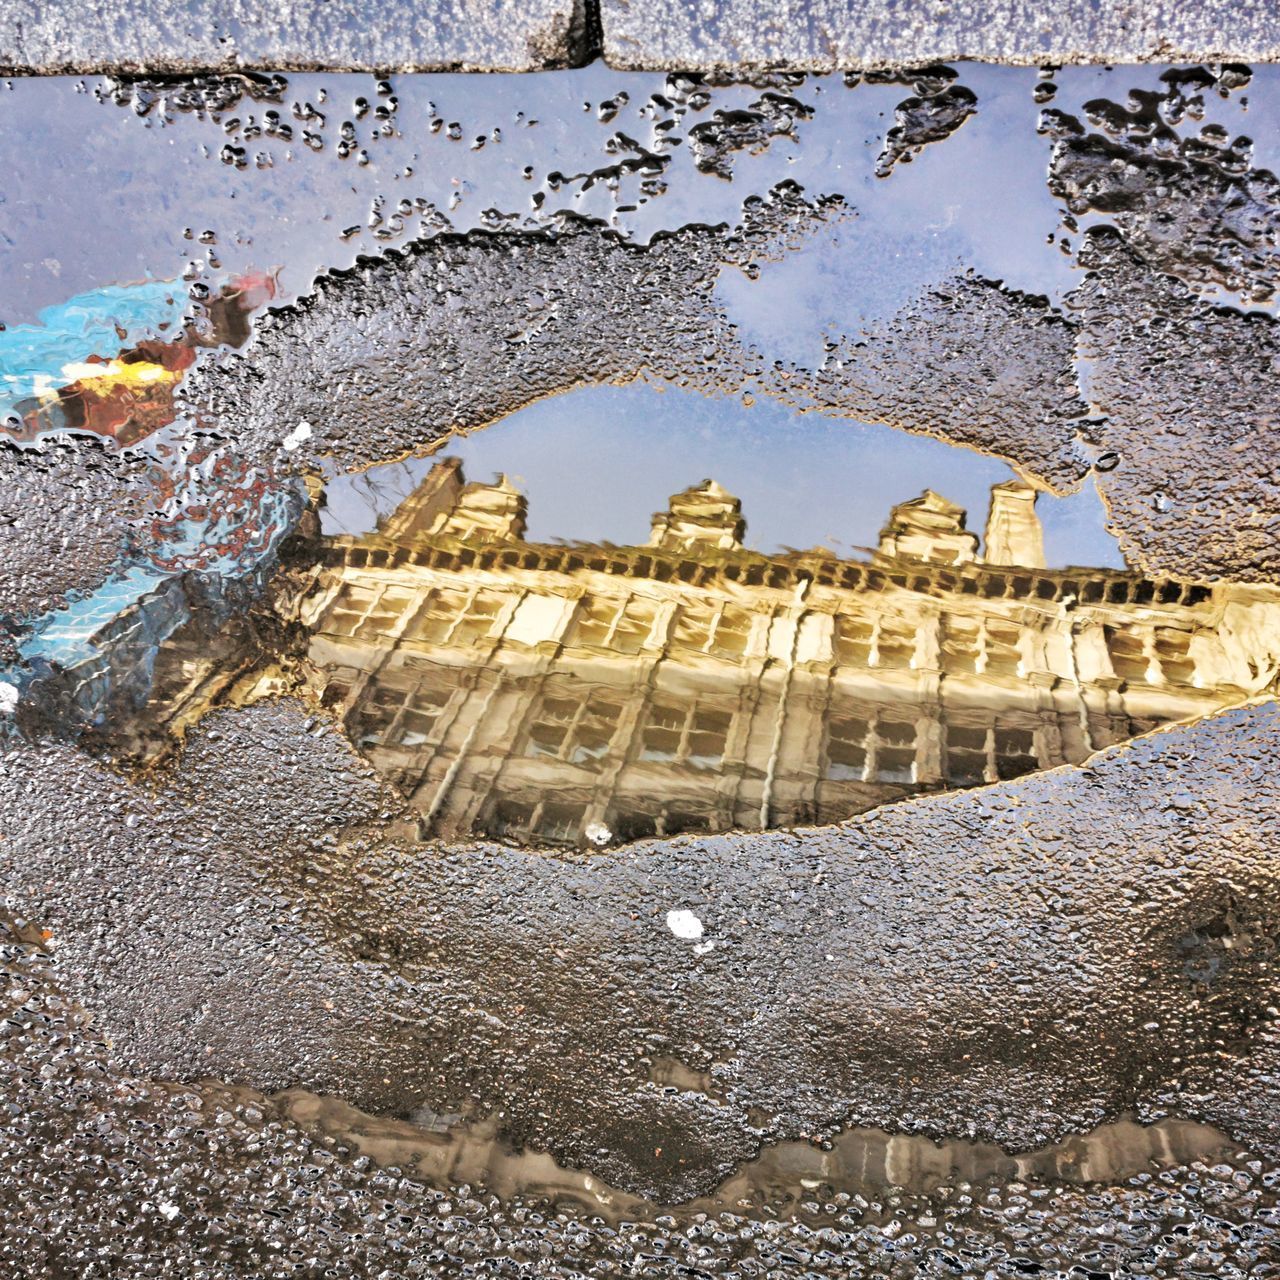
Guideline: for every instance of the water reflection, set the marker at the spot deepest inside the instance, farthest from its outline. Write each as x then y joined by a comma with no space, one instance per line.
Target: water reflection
579,695
448,1150
55,377
585,694
595,461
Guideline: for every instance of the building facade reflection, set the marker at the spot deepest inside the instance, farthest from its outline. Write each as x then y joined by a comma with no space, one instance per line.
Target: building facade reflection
590,694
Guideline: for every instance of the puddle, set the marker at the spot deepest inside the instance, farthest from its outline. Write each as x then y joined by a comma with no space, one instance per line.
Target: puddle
687,676
711,565
587,693
856,1162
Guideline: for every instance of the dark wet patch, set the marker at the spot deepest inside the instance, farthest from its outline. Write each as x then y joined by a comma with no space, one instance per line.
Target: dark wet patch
940,106
405,335
398,975
971,362
197,95
920,121
1187,203
753,128
224,1180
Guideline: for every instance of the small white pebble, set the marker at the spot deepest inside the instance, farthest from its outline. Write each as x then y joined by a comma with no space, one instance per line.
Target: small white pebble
295,437
685,925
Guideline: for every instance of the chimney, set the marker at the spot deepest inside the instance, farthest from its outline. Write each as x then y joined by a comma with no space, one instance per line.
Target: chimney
704,515
1014,535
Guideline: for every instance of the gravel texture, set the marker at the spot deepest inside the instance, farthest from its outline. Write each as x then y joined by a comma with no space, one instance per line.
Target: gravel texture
1190,393
826,35
1087,938
173,37
721,36
66,492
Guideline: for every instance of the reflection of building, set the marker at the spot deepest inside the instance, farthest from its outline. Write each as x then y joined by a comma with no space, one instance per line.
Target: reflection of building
572,693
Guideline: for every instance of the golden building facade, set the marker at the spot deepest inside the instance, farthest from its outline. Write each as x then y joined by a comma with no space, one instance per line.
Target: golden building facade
588,694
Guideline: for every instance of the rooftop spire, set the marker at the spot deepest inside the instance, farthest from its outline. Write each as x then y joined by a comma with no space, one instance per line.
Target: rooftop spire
704,515
445,503
929,527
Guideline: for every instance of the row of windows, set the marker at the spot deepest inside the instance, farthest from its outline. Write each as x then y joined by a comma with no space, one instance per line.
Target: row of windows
882,748
580,726
992,646
440,616
878,747
969,645
547,821
626,626
460,618
976,754
580,729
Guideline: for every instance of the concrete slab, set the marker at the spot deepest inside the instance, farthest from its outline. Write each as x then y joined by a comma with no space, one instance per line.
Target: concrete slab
177,36
826,35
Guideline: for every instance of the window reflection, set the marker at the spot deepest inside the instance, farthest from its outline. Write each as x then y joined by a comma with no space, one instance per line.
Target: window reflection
575,726
622,626
685,733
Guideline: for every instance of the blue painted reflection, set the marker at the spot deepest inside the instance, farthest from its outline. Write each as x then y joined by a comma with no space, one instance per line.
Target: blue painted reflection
37,359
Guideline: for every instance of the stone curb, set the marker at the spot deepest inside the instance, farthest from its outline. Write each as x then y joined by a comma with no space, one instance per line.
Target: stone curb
713,36
829,35
167,38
